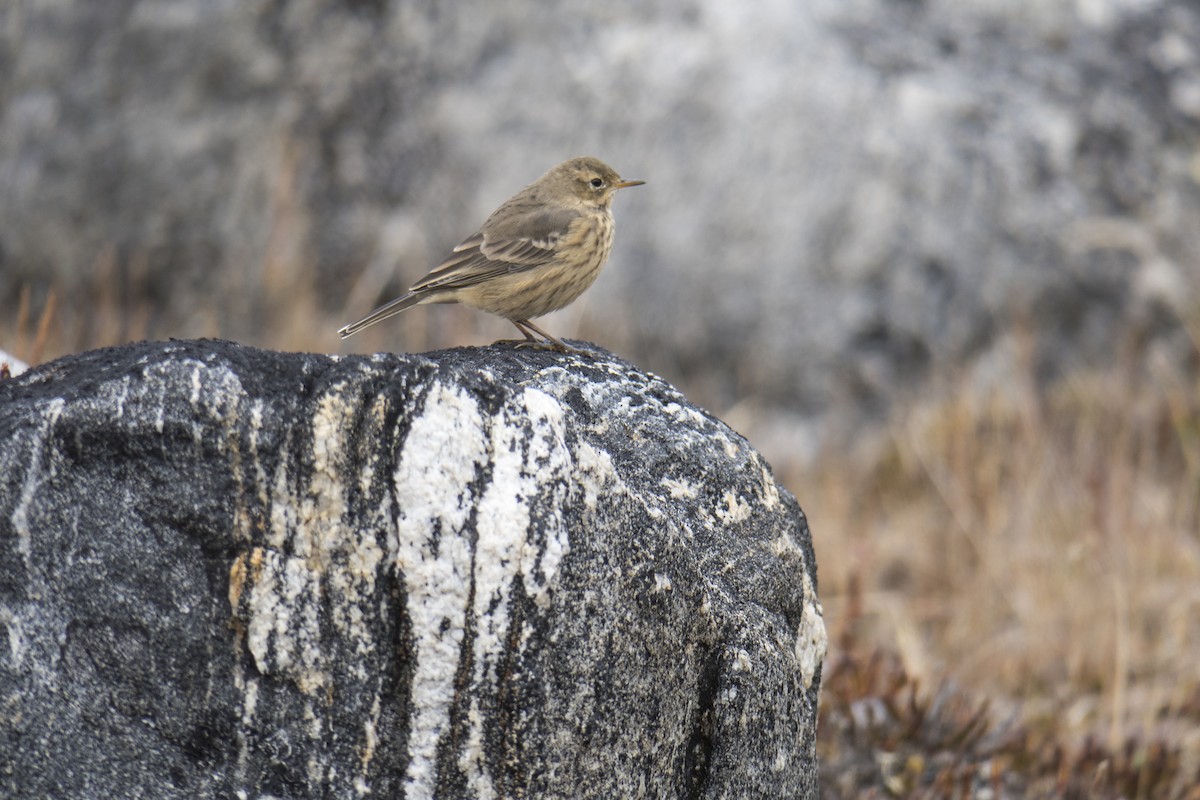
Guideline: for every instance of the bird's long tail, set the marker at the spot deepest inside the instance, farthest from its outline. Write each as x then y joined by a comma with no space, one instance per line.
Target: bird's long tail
383,312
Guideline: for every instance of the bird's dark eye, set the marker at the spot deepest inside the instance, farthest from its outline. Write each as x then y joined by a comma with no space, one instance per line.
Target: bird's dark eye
596,183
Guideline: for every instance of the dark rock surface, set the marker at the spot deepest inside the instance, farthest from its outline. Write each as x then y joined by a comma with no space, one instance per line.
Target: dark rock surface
482,573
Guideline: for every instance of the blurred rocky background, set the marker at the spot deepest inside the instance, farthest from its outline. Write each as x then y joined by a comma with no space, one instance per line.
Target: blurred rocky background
844,200
957,239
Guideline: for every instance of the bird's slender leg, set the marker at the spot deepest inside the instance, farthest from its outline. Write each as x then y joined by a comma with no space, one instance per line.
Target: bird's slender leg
529,341
526,325
529,329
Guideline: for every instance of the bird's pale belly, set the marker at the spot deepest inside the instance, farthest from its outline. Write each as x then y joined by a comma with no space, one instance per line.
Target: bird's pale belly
549,287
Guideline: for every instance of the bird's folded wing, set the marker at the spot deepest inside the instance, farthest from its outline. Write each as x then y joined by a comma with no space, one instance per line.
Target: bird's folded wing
512,248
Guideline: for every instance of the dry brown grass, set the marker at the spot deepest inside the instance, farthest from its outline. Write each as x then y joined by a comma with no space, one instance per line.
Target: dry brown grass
1014,578
1040,547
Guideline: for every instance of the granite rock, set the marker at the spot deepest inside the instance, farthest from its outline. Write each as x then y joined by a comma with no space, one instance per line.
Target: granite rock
480,573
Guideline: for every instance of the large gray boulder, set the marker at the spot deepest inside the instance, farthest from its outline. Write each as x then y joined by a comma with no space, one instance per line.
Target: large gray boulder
482,573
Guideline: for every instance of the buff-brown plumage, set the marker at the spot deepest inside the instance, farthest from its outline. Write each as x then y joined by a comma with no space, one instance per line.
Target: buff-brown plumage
535,254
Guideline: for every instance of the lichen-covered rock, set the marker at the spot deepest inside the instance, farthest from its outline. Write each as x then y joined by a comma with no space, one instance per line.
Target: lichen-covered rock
482,573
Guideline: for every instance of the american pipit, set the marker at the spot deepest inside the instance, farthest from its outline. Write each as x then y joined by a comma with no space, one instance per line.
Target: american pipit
535,254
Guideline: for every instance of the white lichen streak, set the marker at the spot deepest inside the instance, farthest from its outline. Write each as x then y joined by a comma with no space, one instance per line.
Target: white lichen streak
690,417
734,510
321,530
283,632
20,515
680,489
548,464
122,394
16,637
215,398
370,742
433,480
731,447
504,549
595,474
318,528
811,639
770,491
283,512
249,689
367,475
196,384
256,425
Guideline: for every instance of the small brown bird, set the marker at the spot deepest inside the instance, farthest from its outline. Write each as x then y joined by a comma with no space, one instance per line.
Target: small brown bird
535,254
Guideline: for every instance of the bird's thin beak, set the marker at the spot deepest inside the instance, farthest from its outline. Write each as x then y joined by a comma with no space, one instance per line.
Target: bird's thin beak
624,184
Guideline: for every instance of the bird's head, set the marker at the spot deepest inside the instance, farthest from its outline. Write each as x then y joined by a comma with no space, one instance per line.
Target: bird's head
587,180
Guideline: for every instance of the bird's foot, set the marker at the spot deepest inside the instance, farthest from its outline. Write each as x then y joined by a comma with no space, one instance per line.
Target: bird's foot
538,344
532,332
